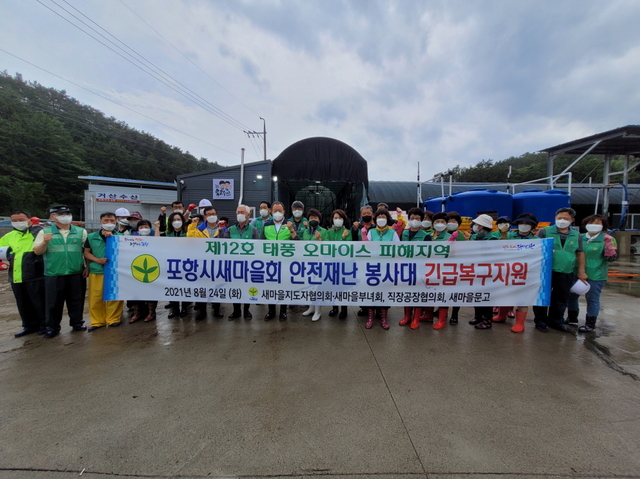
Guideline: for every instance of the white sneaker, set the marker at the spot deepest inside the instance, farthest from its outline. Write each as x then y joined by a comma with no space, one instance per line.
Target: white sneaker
309,311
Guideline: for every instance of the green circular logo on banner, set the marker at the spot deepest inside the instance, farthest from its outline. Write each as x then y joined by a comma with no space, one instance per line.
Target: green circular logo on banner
253,292
145,268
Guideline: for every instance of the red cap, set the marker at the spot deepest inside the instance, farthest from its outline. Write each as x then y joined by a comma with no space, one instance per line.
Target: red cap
192,207
35,221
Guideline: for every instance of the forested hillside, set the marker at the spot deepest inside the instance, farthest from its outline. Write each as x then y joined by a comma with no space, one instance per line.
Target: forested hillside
48,139
531,166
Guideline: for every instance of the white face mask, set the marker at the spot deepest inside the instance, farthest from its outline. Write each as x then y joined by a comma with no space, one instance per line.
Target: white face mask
297,214
338,223
593,228
241,218
278,216
133,224
440,227
414,223
177,224
212,219
475,229
65,219
504,226
563,223
452,226
381,222
524,228
144,231
108,226
124,222
264,213
20,225
426,224
178,211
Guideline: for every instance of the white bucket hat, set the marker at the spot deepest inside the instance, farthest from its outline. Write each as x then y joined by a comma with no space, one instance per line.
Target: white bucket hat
484,220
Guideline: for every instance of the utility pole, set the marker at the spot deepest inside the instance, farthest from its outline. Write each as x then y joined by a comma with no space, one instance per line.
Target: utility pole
263,133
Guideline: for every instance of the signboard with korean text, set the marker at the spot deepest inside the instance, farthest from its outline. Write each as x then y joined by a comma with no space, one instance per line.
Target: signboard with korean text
222,189
469,273
117,197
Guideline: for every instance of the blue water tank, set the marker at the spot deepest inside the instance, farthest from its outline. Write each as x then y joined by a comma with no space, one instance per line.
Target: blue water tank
480,200
434,204
543,204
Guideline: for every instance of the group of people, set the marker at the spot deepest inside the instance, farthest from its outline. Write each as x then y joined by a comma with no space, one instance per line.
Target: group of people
50,265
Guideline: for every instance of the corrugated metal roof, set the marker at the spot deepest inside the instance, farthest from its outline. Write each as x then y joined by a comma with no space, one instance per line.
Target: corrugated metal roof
125,181
405,191
621,141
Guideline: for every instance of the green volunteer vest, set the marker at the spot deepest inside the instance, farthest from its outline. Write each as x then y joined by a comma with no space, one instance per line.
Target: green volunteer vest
564,258
514,235
259,223
234,232
283,235
306,235
419,236
377,236
62,258
442,235
597,268
335,234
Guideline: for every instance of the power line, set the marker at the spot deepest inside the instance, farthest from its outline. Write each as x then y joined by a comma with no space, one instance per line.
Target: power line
117,103
188,59
176,86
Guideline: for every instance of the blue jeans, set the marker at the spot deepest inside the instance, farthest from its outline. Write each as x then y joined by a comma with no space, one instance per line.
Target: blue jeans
592,297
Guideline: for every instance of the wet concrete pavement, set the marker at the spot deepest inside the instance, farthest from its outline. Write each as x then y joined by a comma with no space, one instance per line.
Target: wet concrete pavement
331,399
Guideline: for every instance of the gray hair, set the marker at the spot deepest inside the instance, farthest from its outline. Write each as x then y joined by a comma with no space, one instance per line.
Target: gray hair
365,207
571,212
297,204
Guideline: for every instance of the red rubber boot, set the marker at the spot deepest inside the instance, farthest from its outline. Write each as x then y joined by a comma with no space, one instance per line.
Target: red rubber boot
383,318
442,318
415,322
427,314
520,319
501,317
407,316
372,315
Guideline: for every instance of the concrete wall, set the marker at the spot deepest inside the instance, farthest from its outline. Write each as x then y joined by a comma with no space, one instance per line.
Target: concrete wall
151,200
256,189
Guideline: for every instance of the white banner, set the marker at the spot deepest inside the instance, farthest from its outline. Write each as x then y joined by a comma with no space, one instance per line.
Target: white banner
460,273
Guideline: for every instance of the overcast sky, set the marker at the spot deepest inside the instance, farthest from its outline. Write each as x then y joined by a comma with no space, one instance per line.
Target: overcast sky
436,82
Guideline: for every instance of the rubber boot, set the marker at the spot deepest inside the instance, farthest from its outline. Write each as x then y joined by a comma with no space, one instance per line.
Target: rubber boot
317,314
589,325
427,314
407,316
442,318
383,318
343,312
501,317
216,311
309,311
520,319
572,317
415,323
372,314
247,313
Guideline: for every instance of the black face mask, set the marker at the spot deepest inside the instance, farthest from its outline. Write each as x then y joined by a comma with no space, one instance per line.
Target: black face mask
314,223
366,219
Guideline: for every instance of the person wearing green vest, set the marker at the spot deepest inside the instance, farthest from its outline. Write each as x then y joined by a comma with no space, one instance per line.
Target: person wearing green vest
26,271
312,231
503,224
568,256
427,222
65,272
297,219
454,221
339,231
382,232
482,231
101,313
414,233
600,249
241,230
526,223
277,230
264,210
